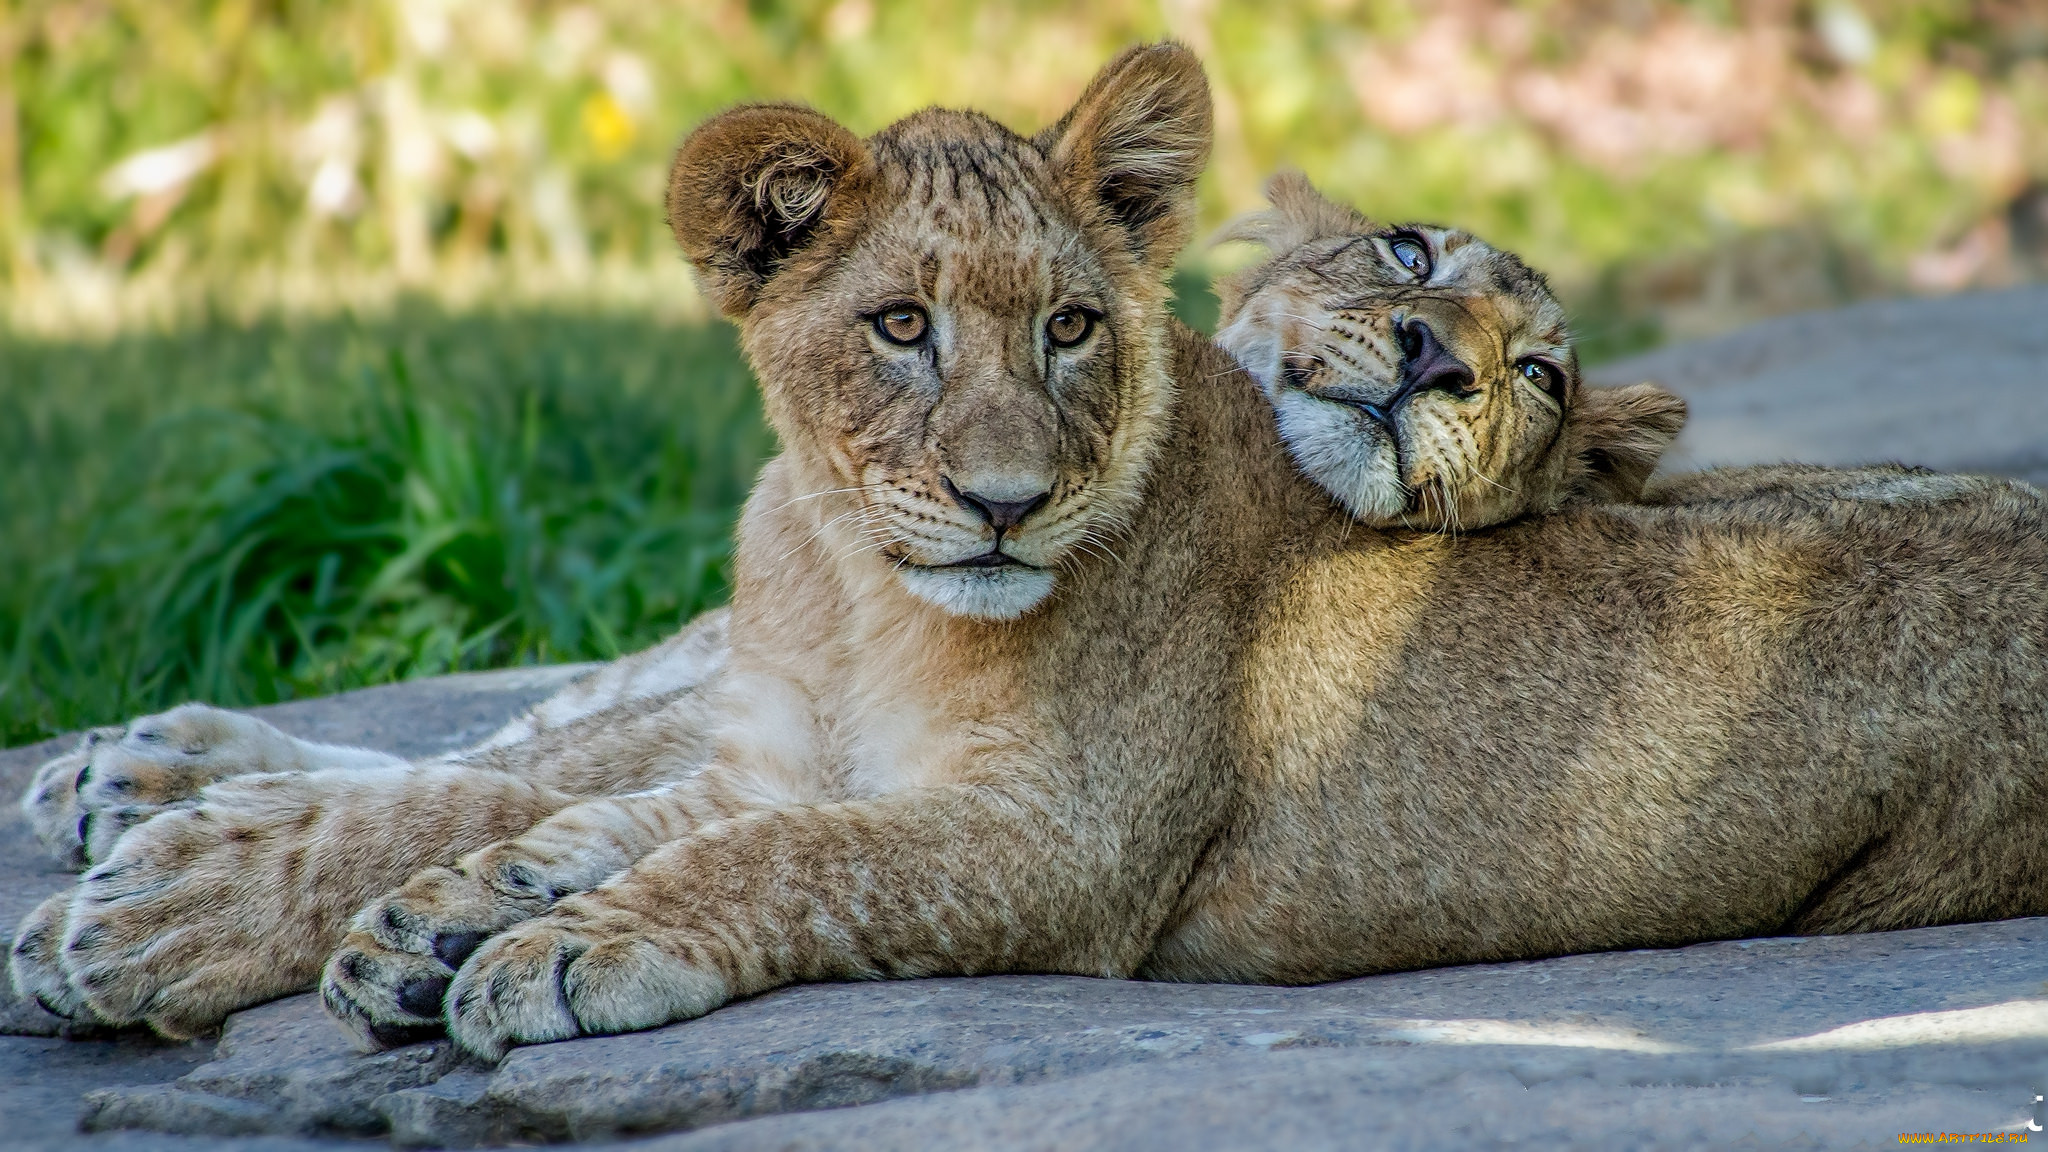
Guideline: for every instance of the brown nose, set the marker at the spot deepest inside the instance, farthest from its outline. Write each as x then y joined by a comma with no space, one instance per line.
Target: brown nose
1002,515
1429,366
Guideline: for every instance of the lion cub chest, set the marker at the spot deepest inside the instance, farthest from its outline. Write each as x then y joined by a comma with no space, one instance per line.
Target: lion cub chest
864,706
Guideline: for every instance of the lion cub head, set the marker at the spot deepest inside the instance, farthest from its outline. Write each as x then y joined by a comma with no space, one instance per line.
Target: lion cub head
1424,378
960,332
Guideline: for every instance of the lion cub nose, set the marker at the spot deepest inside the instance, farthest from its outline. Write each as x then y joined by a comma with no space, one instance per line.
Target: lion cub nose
1428,365
999,504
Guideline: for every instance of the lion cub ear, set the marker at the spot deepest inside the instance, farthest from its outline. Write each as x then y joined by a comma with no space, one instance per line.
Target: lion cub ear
1618,435
1299,213
1133,145
750,188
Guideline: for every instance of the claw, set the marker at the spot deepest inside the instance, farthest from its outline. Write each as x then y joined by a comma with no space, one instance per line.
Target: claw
421,995
452,948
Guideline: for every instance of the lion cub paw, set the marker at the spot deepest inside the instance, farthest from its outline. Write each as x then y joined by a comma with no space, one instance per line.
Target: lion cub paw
35,962
386,983
200,911
81,803
581,970
51,802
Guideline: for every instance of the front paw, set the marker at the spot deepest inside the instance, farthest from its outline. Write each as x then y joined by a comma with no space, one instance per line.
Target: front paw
35,962
51,802
385,985
201,911
384,998
81,804
581,970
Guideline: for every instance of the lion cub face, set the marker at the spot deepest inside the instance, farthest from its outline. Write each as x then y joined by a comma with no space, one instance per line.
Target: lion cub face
958,330
1424,378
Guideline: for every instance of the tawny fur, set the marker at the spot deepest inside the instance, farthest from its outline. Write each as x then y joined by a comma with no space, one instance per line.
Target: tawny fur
1321,325
1257,741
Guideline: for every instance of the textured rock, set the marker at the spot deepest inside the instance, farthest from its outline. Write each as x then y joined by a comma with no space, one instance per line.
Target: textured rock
1829,1039
281,1067
1947,1025
1958,383
1395,1099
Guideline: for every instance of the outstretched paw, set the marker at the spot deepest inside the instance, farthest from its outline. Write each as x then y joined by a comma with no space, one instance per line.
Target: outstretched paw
51,802
226,903
81,803
386,982
581,970
35,967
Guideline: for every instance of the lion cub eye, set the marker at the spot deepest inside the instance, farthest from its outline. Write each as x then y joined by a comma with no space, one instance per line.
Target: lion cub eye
1412,253
1069,326
903,324
1544,375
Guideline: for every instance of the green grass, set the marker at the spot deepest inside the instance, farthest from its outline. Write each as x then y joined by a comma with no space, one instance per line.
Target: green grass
248,514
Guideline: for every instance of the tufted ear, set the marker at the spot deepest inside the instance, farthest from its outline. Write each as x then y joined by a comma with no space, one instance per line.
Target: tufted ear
1619,434
751,188
1298,215
1133,145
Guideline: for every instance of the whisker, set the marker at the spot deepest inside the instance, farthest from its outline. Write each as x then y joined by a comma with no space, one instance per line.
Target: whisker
820,495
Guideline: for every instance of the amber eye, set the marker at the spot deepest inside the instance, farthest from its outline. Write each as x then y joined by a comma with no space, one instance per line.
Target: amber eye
1544,375
1069,326
1413,254
903,324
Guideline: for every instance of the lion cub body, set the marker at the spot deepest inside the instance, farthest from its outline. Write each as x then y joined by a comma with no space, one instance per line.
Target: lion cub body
1761,707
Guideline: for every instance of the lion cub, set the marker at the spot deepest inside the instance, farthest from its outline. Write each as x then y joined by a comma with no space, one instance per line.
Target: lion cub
1425,378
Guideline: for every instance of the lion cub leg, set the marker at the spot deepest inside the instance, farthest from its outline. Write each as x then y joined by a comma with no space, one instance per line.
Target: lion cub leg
80,804
386,983
239,896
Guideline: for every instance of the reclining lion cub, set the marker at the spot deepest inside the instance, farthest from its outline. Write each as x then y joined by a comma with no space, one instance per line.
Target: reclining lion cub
1259,741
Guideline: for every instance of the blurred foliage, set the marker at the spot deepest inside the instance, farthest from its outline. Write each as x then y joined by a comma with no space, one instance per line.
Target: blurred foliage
250,513
156,151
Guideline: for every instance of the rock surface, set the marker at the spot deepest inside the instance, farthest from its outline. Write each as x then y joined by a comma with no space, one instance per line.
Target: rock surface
1829,1041
1956,383
1826,1042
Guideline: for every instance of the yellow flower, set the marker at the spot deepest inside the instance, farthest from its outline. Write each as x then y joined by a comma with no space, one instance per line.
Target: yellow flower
607,125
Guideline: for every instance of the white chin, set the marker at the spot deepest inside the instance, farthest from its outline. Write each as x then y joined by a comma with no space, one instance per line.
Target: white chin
1336,448
984,593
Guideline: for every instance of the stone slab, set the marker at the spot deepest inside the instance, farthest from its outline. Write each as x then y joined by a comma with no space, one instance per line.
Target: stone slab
1956,383
1827,1040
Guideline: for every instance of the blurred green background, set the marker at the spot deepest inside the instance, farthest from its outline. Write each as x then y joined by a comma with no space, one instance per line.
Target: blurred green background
343,341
